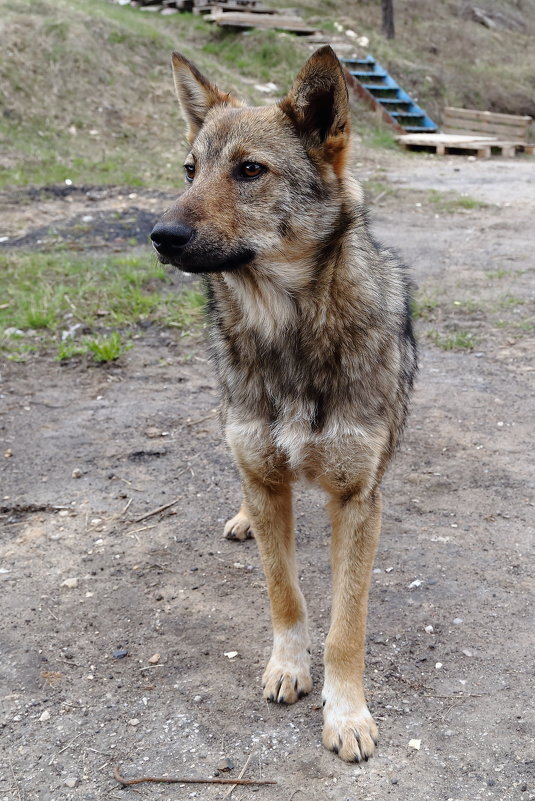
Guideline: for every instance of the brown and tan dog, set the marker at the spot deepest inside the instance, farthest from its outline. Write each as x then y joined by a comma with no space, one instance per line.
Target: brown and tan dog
312,343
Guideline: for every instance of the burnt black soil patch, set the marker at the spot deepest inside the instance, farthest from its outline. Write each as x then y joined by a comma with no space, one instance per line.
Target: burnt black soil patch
91,230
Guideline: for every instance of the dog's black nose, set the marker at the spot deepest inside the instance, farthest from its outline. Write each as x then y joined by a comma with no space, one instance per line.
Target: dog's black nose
169,239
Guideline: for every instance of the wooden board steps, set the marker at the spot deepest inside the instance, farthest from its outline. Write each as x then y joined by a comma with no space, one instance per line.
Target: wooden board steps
273,21
372,83
249,6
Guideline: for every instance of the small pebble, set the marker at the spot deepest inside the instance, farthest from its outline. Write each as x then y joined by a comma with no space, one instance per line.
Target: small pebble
45,716
438,665
158,596
120,653
72,781
71,583
457,621
429,629
415,744
197,699
152,432
231,654
76,473
467,652
133,722
225,764
154,659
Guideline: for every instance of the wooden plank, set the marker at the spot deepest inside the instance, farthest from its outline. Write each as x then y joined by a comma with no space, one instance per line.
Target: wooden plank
483,124
239,6
475,113
443,138
508,131
509,126
242,19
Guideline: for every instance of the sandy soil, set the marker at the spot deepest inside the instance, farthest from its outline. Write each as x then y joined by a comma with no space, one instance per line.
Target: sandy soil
87,574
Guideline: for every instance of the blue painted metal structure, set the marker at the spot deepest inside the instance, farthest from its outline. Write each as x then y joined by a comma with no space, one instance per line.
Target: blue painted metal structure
374,84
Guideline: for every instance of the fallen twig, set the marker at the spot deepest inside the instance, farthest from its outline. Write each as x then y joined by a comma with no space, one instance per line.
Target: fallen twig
65,748
15,781
137,530
240,776
200,419
170,780
155,511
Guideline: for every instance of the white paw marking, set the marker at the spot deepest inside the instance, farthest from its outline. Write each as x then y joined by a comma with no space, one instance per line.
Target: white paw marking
238,528
287,675
349,729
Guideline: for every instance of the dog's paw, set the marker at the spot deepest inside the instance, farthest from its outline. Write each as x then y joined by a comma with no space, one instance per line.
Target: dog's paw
351,735
238,528
286,683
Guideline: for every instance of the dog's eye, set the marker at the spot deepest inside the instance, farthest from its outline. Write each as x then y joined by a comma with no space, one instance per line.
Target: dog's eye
189,169
250,169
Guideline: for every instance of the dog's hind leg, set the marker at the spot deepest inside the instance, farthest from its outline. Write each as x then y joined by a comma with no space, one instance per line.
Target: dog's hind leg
349,729
269,507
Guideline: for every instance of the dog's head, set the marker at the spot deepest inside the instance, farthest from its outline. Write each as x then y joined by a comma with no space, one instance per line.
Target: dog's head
261,182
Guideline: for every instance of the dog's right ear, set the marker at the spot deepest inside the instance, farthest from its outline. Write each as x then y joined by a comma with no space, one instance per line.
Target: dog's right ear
196,94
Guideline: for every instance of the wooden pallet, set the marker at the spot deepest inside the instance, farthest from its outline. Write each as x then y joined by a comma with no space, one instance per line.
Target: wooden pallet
452,144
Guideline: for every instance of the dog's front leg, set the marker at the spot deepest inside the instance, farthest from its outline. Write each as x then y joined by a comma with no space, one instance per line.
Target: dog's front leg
349,729
269,507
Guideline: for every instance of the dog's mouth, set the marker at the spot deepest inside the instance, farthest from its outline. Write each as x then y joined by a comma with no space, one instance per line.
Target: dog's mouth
178,246
208,263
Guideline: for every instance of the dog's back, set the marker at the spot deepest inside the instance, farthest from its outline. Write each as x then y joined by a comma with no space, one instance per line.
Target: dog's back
313,346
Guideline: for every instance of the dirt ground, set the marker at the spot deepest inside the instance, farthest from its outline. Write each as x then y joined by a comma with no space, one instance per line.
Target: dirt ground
89,574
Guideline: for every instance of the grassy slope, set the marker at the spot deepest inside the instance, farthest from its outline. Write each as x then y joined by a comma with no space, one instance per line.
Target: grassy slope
87,92
93,101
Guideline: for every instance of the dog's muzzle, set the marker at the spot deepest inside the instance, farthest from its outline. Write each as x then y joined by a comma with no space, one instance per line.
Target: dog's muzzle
169,239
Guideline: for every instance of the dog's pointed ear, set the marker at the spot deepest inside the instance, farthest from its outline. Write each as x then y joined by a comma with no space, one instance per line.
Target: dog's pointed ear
196,95
318,102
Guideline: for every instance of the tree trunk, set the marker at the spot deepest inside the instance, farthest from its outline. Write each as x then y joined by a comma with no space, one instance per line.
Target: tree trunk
387,7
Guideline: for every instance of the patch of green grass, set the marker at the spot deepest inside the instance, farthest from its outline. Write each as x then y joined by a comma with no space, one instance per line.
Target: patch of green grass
376,188
186,311
262,55
423,308
468,305
107,348
456,340
509,302
451,202
47,296
380,136
501,273
68,349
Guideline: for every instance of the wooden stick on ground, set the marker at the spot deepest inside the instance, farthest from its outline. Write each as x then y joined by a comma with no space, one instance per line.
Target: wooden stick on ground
240,776
170,780
155,511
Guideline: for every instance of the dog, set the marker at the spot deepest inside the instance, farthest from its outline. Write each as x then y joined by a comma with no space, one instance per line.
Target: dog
312,342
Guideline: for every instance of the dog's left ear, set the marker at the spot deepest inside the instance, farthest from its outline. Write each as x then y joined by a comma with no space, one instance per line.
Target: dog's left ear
196,94
318,103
